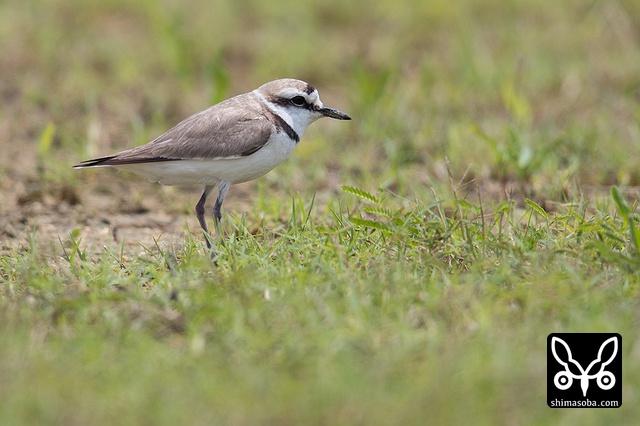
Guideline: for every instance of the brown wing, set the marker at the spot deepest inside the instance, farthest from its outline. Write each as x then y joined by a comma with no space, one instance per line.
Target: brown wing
226,130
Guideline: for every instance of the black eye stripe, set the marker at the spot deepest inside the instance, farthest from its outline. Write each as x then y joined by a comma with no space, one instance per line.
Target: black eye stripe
280,100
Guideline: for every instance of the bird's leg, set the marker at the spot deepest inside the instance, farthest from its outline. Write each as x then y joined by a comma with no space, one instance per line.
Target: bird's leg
217,217
200,214
223,187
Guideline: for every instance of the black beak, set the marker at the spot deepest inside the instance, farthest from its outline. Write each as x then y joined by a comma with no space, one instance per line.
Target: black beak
334,113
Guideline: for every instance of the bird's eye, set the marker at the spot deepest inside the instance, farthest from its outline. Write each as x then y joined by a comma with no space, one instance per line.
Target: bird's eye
298,101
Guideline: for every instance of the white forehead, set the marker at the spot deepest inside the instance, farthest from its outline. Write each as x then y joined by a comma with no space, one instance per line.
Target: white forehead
291,92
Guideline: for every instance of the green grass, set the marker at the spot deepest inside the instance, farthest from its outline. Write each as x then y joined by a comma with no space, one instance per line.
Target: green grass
404,316
402,268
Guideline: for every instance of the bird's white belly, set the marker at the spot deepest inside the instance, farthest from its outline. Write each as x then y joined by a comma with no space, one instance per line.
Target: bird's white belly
212,171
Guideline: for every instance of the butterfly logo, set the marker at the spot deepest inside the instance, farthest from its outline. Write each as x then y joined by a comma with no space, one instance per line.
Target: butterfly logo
564,379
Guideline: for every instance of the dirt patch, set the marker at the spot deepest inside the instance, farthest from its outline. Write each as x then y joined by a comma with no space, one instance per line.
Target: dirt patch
110,211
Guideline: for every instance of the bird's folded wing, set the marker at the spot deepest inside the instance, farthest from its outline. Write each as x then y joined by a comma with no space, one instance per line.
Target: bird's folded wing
224,130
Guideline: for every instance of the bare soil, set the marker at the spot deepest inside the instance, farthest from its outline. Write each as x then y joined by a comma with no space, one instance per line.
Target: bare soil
111,211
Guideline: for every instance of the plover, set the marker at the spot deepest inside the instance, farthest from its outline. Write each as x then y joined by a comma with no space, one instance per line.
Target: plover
234,141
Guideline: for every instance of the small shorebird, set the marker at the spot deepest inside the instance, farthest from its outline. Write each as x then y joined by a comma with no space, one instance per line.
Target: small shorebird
234,141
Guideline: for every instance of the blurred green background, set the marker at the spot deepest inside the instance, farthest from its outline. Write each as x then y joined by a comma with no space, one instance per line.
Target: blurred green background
517,91
487,100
